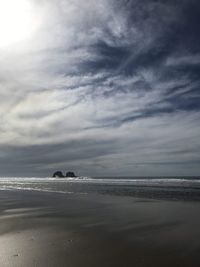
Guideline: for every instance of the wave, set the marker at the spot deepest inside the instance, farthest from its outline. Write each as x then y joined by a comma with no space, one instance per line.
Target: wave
117,186
162,182
17,188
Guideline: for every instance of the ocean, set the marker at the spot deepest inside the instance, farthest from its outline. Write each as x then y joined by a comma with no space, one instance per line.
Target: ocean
184,188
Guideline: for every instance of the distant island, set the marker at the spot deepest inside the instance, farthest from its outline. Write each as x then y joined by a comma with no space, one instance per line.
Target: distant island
59,174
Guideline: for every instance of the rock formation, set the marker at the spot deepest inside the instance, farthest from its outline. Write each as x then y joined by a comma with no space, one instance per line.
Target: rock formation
58,174
70,174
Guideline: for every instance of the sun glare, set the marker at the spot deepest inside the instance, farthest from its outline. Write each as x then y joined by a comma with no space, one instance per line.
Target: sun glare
17,21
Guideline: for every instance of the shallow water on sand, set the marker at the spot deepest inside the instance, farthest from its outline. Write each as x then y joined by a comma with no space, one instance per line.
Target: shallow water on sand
48,229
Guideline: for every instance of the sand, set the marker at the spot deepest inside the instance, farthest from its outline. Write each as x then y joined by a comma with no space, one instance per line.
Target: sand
46,229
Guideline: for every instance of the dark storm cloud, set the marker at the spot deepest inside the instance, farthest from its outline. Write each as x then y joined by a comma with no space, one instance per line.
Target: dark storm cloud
104,85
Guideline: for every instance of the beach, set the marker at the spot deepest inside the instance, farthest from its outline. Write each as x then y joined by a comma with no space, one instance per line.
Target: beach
100,133
53,229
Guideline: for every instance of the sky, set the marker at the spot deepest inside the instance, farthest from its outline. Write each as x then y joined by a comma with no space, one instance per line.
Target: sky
102,88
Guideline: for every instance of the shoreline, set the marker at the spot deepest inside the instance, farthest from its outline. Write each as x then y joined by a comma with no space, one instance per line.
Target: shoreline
47,229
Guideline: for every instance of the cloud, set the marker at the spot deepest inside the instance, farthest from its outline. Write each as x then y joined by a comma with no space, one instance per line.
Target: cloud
104,87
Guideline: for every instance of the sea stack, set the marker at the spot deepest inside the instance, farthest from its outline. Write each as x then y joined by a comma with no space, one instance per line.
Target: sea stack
70,174
58,174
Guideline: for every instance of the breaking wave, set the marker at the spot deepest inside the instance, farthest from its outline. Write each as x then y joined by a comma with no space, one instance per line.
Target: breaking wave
149,187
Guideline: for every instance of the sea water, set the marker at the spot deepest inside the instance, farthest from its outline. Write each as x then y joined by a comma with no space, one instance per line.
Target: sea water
187,188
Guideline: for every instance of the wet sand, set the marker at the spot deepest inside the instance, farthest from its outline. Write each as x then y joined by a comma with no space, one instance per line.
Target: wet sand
46,229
